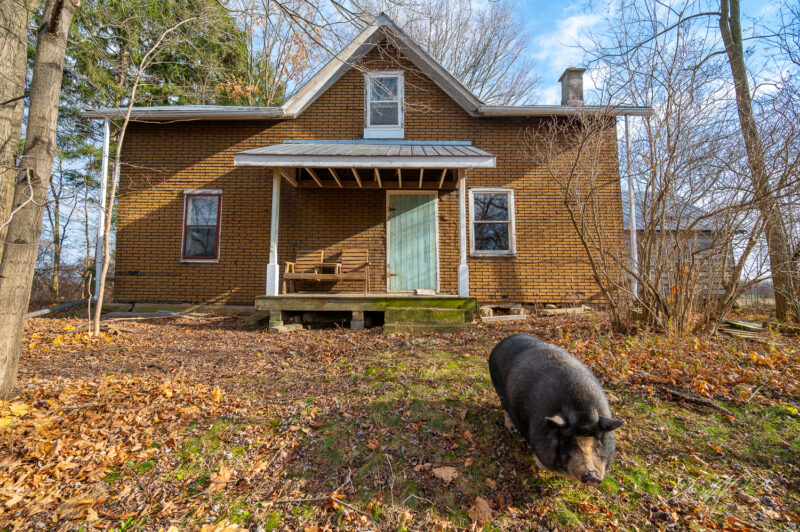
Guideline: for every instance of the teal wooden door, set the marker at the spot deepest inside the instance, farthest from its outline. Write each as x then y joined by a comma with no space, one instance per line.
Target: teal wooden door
412,242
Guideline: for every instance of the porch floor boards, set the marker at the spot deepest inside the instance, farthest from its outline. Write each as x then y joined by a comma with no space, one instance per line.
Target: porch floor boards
402,312
361,302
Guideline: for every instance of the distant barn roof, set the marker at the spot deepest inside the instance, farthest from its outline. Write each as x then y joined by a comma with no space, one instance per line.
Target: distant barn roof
678,216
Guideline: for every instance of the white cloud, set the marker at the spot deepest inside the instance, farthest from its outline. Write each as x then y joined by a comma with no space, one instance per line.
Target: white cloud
556,50
561,44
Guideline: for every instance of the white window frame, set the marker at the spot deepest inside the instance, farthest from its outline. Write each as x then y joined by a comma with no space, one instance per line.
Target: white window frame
512,231
201,192
384,131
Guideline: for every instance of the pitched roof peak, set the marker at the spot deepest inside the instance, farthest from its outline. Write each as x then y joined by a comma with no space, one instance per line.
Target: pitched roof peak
383,19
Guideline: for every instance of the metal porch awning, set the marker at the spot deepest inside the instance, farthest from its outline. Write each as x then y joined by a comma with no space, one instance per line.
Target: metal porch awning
367,154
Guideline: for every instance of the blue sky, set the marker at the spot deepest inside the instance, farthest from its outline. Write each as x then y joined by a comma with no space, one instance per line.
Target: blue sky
555,27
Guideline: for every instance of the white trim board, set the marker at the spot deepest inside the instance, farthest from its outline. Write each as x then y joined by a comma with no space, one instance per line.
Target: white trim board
202,191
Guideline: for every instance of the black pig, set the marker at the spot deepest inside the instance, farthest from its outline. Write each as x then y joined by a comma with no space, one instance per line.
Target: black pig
557,405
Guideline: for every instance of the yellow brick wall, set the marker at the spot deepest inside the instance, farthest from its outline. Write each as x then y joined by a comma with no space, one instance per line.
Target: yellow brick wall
161,160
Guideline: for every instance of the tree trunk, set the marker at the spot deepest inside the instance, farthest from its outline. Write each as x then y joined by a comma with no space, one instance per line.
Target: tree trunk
54,283
87,260
32,184
14,16
55,228
787,305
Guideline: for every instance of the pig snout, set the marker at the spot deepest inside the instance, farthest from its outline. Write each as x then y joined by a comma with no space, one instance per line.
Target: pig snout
591,478
586,464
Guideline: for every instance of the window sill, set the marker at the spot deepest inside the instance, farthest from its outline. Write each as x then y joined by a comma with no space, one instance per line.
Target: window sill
381,133
495,254
201,261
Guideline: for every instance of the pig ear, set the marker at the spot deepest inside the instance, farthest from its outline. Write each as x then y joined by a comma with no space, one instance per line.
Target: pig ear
556,422
607,424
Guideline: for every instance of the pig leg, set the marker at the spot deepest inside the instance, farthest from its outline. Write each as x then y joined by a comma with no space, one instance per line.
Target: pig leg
507,421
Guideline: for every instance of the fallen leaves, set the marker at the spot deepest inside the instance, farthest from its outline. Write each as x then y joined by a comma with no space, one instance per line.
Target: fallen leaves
480,511
220,479
216,394
445,473
145,434
57,453
11,412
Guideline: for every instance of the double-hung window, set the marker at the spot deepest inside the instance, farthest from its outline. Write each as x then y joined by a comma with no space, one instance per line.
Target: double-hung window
384,105
491,214
201,216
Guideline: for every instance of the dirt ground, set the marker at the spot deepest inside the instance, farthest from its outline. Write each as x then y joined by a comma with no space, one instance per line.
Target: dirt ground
209,422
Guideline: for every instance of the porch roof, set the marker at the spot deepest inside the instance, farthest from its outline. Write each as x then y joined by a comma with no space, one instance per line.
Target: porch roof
367,154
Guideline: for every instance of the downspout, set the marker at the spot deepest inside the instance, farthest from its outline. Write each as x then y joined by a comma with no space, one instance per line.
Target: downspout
633,256
98,252
273,274
463,268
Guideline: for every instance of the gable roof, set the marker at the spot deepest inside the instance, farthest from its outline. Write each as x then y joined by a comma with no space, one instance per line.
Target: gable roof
374,34
382,28
677,216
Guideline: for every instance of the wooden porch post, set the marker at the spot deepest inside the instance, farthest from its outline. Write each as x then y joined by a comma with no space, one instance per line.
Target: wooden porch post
272,268
463,269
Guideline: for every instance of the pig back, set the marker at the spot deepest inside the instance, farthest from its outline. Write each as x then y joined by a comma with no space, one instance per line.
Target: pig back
535,380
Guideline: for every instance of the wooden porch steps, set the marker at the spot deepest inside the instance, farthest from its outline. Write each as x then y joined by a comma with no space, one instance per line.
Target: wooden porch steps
426,319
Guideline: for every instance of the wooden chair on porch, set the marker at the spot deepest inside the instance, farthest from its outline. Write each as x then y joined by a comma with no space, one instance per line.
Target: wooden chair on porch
304,267
353,266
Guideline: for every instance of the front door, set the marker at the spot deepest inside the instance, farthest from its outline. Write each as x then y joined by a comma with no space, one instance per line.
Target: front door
412,251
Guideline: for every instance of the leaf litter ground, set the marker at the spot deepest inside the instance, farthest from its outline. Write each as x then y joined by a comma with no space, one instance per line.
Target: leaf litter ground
210,423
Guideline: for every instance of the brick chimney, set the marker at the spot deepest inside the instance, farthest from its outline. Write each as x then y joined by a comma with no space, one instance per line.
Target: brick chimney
572,86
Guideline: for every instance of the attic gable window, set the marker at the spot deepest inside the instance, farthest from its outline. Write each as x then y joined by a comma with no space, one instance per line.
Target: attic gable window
384,105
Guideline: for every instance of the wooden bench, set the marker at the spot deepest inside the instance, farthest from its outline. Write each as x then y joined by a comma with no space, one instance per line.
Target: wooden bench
353,266
304,267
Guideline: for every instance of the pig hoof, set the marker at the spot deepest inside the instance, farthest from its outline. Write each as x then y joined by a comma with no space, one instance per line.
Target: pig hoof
508,422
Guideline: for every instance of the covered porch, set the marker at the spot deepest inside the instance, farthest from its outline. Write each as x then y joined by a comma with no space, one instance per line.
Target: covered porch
410,177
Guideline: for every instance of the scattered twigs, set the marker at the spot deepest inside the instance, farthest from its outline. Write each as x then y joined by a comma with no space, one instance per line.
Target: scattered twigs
754,393
699,400
391,477
111,328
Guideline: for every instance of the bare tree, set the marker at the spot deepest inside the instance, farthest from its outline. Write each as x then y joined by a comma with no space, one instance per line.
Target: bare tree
160,42
688,213
574,153
60,209
697,216
32,184
281,48
482,45
14,17
787,302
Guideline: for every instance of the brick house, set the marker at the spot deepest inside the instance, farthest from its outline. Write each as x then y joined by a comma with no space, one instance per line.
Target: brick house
381,175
